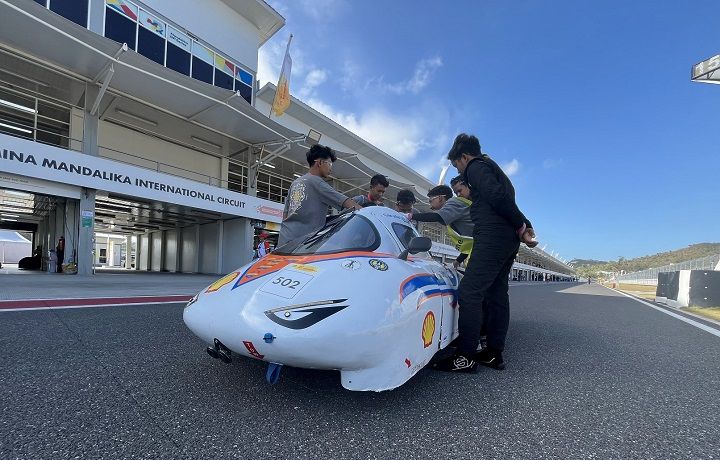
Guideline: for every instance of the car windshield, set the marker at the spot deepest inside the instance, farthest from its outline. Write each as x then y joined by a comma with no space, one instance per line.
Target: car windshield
404,233
345,233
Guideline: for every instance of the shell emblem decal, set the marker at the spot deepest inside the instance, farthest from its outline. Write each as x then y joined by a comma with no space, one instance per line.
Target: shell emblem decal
428,329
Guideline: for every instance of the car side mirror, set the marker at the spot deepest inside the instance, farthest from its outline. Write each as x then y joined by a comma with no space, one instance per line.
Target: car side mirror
417,244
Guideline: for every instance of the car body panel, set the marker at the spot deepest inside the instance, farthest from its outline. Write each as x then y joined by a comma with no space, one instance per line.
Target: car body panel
376,318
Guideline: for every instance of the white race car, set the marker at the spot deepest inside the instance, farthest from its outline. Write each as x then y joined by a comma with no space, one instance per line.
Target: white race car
348,298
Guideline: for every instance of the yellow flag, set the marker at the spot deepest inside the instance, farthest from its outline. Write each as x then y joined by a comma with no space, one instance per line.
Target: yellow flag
282,93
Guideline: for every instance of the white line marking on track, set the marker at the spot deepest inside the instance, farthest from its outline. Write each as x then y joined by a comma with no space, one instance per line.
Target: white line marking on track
691,322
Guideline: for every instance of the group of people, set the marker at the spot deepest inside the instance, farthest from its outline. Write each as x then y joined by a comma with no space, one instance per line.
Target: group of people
482,220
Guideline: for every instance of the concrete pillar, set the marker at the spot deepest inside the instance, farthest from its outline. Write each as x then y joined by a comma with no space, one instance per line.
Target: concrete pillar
72,223
150,248
163,250
221,227
86,233
224,169
178,249
138,250
128,252
238,244
109,251
198,249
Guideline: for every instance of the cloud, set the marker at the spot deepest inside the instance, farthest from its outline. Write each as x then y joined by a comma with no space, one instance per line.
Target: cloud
313,79
424,71
402,136
511,168
550,163
322,9
350,75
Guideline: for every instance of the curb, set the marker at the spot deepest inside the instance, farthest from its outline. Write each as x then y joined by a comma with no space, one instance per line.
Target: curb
50,304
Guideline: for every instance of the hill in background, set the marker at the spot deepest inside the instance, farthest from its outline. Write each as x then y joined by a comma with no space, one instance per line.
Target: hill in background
584,262
694,251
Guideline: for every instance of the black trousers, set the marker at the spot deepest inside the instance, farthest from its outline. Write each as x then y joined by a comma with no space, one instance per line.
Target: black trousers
483,294
60,259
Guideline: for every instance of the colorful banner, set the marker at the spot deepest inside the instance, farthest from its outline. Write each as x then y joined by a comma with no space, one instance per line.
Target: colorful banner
202,53
224,65
152,23
179,39
282,94
124,7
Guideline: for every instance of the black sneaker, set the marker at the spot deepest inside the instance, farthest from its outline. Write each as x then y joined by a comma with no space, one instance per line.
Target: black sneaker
457,363
490,358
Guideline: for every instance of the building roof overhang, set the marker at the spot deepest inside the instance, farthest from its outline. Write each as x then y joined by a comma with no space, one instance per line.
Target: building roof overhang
68,48
260,14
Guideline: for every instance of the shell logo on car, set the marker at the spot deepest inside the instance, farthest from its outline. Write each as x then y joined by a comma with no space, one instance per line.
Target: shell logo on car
428,329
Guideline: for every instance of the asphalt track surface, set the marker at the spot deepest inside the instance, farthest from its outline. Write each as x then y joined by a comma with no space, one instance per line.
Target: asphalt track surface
591,374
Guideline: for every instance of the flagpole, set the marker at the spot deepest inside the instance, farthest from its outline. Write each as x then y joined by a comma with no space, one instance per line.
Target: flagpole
287,50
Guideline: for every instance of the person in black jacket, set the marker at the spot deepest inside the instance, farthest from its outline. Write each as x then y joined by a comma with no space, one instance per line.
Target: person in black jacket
499,228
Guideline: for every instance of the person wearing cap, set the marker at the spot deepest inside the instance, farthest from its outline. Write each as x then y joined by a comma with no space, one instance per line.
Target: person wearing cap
454,213
378,184
499,228
309,197
263,247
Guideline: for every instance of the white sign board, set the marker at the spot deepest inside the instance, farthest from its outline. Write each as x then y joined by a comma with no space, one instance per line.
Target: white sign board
43,187
705,67
40,161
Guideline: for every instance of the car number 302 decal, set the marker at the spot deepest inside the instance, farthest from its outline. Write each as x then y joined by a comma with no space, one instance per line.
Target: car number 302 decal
286,283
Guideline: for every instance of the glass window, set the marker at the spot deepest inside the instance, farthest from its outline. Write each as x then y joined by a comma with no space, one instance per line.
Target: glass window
42,2
151,45
178,59
202,63
245,91
151,37
179,47
119,27
244,77
223,80
17,115
74,10
349,232
202,70
405,233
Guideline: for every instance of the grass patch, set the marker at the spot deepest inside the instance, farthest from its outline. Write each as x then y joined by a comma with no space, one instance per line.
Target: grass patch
707,312
637,287
639,290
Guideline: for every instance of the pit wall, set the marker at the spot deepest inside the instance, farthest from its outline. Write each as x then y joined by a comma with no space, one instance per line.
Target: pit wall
689,288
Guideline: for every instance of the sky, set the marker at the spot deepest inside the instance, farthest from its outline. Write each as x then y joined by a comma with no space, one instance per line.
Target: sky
587,105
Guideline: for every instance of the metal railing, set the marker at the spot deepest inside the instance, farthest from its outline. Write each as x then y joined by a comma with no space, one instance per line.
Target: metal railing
650,276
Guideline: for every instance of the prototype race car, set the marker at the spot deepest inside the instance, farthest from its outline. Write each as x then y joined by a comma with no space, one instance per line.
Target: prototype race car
348,298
